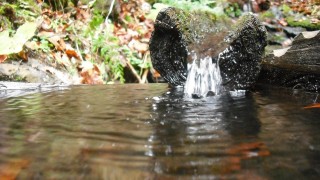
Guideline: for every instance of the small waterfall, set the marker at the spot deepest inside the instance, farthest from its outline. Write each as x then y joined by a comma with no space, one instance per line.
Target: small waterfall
203,79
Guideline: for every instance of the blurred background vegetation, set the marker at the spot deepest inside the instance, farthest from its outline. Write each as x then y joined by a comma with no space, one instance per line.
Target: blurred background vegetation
103,42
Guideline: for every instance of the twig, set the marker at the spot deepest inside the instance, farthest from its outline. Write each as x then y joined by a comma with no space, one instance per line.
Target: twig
77,46
110,10
144,76
134,72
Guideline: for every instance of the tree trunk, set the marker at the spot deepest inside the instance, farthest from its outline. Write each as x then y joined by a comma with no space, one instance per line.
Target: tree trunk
180,38
297,66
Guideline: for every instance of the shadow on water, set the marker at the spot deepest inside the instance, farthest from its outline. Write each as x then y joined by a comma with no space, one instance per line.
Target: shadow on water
201,137
152,132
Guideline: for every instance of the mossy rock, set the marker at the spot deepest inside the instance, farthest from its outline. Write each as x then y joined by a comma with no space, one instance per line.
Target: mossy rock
181,37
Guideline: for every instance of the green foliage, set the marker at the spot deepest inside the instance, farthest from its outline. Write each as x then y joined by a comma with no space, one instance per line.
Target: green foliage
106,46
297,19
286,9
267,14
233,10
306,23
195,5
45,45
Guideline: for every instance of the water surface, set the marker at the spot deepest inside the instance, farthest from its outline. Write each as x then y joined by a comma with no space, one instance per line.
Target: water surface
153,132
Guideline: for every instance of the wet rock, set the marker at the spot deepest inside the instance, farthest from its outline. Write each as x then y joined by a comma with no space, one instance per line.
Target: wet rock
180,38
240,61
297,66
34,71
14,89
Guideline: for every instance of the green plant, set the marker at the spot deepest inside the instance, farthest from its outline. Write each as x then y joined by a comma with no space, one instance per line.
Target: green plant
45,45
106,46
210,6
233,10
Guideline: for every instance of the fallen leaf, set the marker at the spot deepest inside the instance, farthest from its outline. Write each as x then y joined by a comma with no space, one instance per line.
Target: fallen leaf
15,44
3,58
90,73
59,43
45,34
61,58
156,74
23,55
32,45
315,105
283,22
72,53
249,150
140,47
11,170
82,14
91,77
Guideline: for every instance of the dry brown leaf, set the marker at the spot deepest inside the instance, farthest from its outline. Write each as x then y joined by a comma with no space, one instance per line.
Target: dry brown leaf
32,45
23,55
156,74
45,34
72,53
11,170
91,76
283,22
248,150
59,43
46,24
315,105
141,47
82,14
61,58
3,58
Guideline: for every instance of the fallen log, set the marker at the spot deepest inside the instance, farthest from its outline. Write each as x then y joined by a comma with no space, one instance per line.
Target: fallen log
180,38
297,66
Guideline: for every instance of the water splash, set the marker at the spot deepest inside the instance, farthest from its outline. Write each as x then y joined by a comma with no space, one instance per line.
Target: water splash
203,79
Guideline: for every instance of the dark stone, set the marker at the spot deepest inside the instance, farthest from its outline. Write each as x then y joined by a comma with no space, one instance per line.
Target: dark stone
180,36
240,61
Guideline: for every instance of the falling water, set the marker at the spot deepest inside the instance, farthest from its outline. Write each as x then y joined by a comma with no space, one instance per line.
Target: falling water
203,79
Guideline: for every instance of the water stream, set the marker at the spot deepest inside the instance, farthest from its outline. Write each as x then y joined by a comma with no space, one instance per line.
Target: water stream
153,132
204,78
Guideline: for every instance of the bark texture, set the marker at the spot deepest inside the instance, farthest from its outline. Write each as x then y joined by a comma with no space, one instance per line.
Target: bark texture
297,66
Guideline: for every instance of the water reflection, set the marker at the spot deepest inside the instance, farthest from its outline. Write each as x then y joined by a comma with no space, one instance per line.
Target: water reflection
198,137
152,132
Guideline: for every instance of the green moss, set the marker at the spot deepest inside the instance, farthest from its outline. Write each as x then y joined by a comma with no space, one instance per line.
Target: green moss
267,14
14,78
306,23
285,9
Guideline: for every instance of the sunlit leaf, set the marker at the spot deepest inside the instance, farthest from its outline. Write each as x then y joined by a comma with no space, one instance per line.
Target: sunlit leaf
25,31
14,44
90,73
3,58
11,170
315,105
23,55
57,42
72,53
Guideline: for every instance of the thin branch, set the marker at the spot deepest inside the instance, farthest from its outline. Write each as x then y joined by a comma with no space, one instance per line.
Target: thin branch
134,72
144,76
